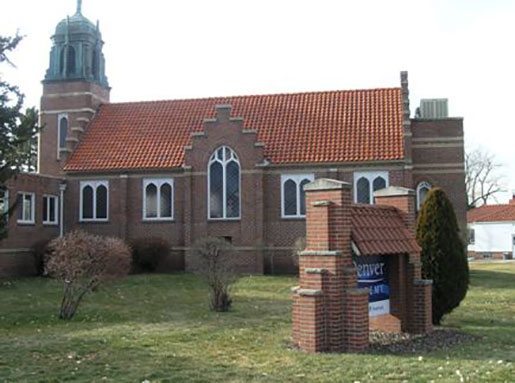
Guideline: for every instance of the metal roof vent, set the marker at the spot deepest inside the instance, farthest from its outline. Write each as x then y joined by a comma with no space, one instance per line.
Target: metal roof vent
433,108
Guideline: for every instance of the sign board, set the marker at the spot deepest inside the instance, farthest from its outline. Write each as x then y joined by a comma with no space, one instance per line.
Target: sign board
373,274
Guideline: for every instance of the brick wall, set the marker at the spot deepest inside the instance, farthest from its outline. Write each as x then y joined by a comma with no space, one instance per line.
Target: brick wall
438,158
15,255
79,100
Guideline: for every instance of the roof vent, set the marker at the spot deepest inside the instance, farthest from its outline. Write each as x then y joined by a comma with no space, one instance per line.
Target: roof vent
433,108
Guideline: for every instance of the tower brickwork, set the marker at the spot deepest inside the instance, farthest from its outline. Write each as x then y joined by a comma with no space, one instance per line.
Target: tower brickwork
75,85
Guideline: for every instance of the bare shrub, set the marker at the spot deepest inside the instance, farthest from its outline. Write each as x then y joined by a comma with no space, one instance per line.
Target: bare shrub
83,261
148,253
298,246
214,262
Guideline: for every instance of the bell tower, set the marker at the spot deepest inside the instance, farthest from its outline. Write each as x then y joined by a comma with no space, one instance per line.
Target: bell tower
74,86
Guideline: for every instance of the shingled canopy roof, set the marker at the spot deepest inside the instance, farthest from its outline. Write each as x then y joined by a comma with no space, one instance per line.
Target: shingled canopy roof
317,127
380,230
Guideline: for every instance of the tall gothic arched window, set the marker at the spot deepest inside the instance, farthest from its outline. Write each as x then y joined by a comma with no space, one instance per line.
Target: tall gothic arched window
223,184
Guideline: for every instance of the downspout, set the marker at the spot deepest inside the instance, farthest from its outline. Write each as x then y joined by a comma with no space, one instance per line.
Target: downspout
62,188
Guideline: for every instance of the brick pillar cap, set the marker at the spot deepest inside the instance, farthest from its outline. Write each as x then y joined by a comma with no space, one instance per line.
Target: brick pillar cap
326,184
394,191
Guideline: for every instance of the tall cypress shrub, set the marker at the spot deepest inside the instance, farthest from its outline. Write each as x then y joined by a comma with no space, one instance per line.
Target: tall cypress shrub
443,253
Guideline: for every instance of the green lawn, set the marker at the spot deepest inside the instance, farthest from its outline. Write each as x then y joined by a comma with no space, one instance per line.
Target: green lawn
158,328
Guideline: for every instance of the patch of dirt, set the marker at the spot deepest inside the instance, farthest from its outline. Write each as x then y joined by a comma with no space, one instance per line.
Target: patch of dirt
439,339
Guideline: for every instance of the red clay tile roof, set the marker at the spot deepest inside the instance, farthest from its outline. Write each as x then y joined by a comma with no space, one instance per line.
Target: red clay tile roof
492,213
380,230
338,126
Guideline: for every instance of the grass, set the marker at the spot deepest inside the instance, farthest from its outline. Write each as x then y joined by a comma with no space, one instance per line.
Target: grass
158,328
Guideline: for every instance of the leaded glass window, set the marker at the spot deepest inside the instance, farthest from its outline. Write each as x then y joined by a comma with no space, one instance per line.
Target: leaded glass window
94,200
224,184
366,183
379,183
158,199
293,197
363,190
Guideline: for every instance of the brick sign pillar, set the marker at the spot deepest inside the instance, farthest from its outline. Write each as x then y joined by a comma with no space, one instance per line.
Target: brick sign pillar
329,312
417,295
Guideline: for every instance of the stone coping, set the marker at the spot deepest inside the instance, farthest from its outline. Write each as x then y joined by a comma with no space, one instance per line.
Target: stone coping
306,292
321,203
322,253
312,270
326,184
394,191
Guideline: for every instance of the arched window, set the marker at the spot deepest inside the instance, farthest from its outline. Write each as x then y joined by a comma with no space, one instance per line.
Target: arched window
158,199
293,196
94,64
62,130
94,200
70,64
71,61
223,184
422,190
363,190
366,183
379,183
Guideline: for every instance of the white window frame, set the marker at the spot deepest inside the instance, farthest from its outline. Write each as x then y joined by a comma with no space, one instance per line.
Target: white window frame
224,163
32,208
94,185
5,199
370,176
158,182
56,209
420,186
297,178
59,117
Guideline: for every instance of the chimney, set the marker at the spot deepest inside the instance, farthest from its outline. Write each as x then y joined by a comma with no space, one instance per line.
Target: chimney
401,198
512,200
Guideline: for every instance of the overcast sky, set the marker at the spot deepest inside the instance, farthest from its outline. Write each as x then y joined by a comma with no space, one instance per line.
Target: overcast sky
163,49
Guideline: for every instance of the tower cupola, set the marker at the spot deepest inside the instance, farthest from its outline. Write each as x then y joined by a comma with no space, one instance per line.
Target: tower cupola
76,53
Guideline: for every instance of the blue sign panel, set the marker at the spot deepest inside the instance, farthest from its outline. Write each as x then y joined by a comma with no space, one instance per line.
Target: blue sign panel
373,274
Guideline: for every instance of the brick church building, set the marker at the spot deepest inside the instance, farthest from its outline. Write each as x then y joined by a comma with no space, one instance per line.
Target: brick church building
231,167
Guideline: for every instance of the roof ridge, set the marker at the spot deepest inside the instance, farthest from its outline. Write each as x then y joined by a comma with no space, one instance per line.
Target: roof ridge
244,96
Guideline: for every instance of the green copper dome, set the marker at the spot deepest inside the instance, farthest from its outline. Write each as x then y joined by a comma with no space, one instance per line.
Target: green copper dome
76,53
74,24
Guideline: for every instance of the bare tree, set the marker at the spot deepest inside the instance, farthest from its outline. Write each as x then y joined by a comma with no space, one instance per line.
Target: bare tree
82,261
214,262
483,179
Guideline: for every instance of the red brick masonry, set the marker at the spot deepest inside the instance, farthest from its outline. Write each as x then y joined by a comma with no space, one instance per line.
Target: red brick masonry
330,312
